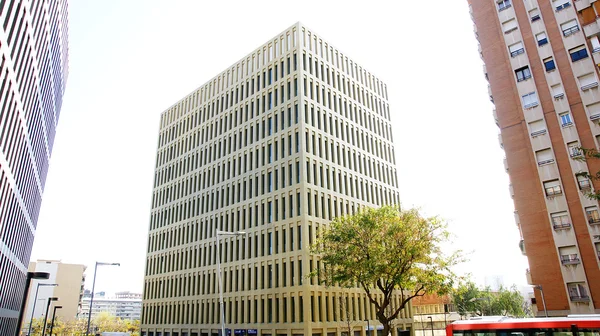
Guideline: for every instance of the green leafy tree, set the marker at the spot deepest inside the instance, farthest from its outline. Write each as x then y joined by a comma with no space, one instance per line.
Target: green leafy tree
586,186
471,300
386,251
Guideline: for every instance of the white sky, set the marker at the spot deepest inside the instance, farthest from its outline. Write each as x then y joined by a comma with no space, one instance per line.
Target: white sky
130,60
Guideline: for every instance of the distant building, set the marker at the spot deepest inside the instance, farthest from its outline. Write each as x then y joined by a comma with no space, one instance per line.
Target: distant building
432,314
128,295
70,279
128,307
494,282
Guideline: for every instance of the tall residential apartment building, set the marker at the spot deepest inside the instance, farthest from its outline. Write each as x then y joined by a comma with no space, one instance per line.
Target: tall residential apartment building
33,73
277,145
69,278
541,60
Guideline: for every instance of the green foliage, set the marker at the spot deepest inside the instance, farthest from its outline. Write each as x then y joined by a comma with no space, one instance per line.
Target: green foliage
385,251
590,154
471,300
104,322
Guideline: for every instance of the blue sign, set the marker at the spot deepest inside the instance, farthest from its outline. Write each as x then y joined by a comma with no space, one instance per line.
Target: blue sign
239,332
252,331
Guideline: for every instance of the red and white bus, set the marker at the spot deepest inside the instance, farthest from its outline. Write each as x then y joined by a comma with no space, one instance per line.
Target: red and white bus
572,325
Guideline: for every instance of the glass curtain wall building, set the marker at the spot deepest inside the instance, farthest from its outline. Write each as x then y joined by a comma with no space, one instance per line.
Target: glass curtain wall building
277,145
33,74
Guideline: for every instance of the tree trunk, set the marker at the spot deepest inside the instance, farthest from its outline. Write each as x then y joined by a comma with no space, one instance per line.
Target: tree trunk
387,330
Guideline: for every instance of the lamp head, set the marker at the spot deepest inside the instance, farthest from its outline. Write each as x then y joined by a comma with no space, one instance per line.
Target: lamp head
54,298
57,307
107,264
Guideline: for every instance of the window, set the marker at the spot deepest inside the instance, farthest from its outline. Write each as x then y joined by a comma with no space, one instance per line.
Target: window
530,100
523,73
583,182
557,91
578,292
561,4
574,149
565,119
541,39
595,44
588,81
569,27
552,188
578,53
509,26
534,14
569,255
516,49
537,128
598,249
544,156
594,111
592,214
503,4
560,220
549,64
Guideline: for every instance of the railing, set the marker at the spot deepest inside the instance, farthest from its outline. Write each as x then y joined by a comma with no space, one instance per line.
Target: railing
541,163
570,31
508,31
562,226
595,50
571,259
535,18
517,52
504,6
575,152
536,133
595,116
559,96
594,220
523,78
589,86
542,42
530,105
584,184
579,298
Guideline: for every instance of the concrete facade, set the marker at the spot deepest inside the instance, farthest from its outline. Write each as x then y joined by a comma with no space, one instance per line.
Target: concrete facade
541,61
277,145
70,279
129,307
33,75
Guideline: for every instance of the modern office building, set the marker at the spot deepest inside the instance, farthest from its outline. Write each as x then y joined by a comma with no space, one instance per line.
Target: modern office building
33,73
69,278
278,144
541,60
127,307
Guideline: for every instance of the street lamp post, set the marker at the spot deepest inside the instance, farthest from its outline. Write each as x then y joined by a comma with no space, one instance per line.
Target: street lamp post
431,320
53,317
35,303
50,299
30,275
223,233
87,332
368,327
539,287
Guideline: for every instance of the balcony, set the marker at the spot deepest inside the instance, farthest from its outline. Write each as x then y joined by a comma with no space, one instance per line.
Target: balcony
561,226
594,221
570,31
581,4
570,259
545,162
579,298
517,52
591,29
563,6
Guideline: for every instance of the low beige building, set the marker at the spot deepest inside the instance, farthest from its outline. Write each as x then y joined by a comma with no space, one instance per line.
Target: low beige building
69,279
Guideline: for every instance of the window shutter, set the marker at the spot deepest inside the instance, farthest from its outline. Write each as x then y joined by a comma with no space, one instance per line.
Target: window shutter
509,26
587,81
544,156
537,127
